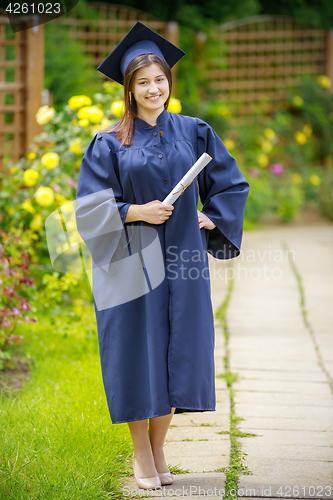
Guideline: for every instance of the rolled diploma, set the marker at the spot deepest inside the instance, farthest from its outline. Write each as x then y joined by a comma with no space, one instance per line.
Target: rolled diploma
187,179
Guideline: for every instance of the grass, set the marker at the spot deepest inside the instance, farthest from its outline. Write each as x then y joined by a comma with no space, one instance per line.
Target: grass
236,464
57,439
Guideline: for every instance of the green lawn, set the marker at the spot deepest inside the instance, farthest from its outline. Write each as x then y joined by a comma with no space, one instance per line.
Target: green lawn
56,439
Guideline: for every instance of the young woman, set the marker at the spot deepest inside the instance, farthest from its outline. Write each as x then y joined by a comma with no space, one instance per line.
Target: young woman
151,281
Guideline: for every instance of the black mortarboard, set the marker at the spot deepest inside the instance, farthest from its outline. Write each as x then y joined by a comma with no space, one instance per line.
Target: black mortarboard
139,40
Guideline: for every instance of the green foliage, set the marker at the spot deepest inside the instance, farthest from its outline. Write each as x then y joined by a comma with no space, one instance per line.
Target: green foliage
289,198
198,38
68,70
326,194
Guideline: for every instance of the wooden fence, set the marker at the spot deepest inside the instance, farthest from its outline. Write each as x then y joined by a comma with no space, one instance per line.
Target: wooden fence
265,56
21,83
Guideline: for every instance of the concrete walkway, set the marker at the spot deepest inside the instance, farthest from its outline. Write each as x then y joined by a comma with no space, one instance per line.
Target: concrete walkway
283,355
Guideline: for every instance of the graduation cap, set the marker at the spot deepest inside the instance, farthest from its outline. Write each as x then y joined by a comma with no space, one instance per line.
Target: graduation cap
138,41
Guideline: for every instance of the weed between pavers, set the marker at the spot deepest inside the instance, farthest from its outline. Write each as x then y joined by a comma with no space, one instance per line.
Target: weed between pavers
236,465
306,321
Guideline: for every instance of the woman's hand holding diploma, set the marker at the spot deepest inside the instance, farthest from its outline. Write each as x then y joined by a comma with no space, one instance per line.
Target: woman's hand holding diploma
154,212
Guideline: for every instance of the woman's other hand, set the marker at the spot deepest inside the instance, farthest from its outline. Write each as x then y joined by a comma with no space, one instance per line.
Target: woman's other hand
205,221
154,212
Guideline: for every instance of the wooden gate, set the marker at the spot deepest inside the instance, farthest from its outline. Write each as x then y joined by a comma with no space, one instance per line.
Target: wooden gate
265,55
21,83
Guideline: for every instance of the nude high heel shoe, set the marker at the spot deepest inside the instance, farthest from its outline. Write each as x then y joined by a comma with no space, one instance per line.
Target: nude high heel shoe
147,483
165,478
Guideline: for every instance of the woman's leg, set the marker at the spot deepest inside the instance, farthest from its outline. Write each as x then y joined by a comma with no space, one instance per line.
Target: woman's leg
158,428
144,459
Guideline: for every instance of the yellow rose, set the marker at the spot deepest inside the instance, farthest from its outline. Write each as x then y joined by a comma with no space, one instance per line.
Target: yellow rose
262,160
77,101
74,122
50,160
229,144
36,222
117,108
314,180
31,155
44,196
92,113
298,101
44,115
270,134
300,138
307,130
174,105
224,111
324,81
11,211
267,146
30,177
84,123
13,170
297,179
75,146
27,205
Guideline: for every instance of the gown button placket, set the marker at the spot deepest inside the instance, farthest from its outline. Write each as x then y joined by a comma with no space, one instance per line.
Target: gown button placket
160,156
155,133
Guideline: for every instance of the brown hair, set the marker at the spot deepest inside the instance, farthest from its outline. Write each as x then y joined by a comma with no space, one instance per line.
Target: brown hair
126,126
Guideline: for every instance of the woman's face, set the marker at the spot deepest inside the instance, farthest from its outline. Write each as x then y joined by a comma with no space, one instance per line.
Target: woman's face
150,89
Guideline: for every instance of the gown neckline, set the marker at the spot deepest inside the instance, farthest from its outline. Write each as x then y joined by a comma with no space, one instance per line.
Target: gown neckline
163,117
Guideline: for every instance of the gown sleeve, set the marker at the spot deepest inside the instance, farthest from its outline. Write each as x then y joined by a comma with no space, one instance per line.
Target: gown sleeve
223,192
100,209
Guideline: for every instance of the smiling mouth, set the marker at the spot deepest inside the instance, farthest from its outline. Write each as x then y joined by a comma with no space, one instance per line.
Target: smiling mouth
154,98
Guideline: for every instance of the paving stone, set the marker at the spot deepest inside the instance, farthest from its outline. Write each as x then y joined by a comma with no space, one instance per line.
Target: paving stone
281,386
220,383
281,398
282,411
261,447
222,395
279,375
198,456
251,424
211,418
286,437
239,362
196,434
276,475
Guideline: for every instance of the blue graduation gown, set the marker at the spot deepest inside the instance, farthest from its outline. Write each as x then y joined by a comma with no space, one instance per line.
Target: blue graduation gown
157,350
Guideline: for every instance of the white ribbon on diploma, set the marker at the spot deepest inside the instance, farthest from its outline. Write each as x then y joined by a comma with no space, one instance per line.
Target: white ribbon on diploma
187,179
